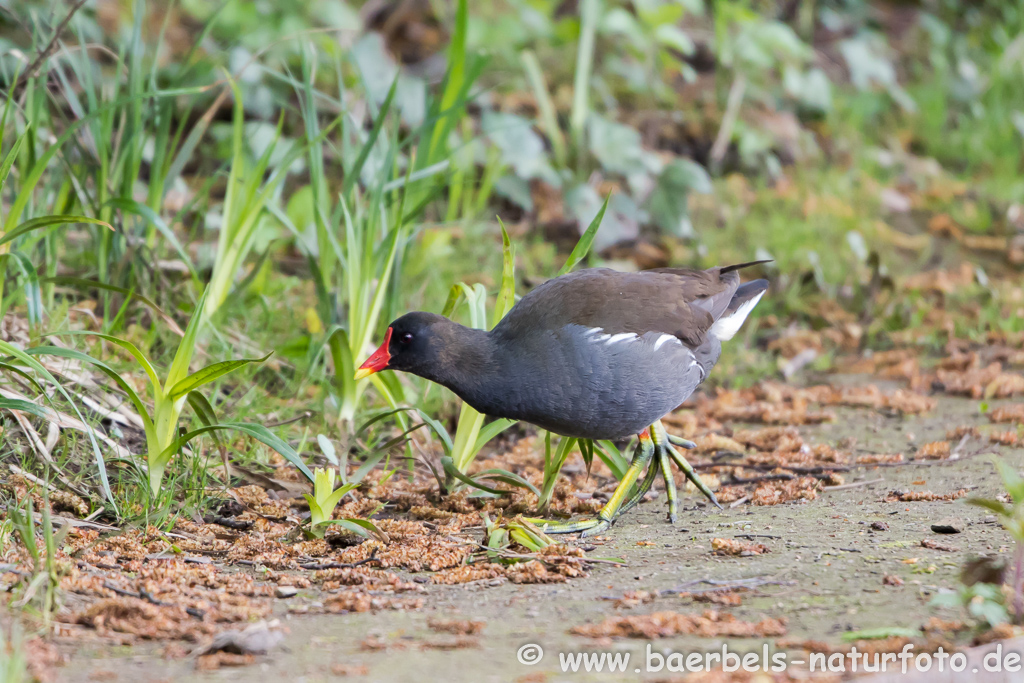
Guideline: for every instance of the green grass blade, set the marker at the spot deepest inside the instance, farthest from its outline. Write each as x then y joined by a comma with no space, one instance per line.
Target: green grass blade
438,428
362,527
23,406
612,457
491,430
454,80
352,174
187,345
110,372
452,471
7,367
209,374
258,432
46,222
202,408
509,478
546,107
364,469
39,168
586,240
12,154
590,11
37,367
506,298
151,216
127,346
131,294
207,415
33,296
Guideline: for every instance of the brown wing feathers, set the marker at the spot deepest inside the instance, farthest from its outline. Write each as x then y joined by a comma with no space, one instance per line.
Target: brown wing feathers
677,301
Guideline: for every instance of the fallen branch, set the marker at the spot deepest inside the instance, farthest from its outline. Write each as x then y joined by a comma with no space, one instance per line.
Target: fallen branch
50,48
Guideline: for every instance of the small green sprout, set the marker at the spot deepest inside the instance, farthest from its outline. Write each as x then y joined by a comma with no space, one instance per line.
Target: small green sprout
324,499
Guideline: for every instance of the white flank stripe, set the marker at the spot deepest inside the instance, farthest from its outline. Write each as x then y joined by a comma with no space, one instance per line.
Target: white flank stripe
664,339
593,330
620,337
725,328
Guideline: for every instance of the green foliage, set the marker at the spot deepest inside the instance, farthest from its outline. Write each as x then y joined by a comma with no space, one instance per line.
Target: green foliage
983,601
120,179
1011,515
246,198
169,397
501,535
468,436
41,589
13,659
552,466
324,499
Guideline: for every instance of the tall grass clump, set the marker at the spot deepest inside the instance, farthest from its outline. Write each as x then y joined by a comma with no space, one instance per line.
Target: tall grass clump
363,226
179,387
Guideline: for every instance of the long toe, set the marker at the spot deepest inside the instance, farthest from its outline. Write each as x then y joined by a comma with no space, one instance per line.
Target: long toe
681,442
584,527
601,527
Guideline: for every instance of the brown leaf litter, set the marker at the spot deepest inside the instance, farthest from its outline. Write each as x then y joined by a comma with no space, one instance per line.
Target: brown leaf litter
922,496
935,450
726,598
935,545
218,660
350,669
459,627
358,601
880,459
958,433
42,659
1007,438
734,548
1008,413
631,599
776,492
460,642
709,624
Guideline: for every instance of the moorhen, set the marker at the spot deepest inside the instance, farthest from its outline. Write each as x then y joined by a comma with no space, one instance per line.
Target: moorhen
595,354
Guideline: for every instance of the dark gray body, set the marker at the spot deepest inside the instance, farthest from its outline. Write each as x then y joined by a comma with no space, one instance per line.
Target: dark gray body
575,383
596,354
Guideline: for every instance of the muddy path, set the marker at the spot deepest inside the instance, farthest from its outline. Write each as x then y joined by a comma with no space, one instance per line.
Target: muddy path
825,574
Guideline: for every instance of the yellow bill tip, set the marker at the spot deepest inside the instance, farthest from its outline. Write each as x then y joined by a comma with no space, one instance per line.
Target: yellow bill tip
363,373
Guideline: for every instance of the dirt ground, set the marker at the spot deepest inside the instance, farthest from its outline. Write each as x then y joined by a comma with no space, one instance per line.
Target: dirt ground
824,573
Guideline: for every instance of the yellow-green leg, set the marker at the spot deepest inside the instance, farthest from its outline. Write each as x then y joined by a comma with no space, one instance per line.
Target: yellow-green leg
654,452
680,461
588,527
665,461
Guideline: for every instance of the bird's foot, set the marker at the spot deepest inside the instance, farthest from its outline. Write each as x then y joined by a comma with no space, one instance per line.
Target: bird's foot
681,442
666,454
583,527
654,452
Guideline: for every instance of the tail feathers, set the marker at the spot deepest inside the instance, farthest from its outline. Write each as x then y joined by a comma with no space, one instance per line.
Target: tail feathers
744,293
743,302
739,266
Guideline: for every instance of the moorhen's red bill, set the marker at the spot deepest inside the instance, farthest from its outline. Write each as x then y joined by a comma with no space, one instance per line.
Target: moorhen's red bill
595,354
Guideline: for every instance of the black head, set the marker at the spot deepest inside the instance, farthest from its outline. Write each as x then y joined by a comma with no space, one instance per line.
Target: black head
414,343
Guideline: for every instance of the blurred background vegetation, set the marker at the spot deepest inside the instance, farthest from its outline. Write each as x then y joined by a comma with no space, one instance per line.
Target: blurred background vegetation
291,176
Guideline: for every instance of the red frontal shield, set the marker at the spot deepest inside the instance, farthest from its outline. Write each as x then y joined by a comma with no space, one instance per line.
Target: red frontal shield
378,360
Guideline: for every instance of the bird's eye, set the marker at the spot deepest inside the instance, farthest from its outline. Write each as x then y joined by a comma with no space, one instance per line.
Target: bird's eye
406,338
